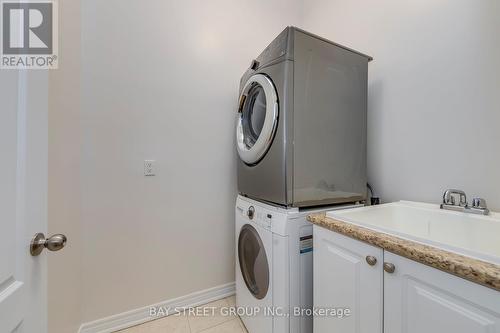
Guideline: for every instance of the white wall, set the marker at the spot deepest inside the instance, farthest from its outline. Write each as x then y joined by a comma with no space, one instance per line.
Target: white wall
159,81
434,105
64,197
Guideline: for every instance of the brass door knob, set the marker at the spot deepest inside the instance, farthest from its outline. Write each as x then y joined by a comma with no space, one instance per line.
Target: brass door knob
54,243
389,268
371,260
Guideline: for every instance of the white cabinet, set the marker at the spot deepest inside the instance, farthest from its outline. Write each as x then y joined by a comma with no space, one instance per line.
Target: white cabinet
418,298
415,298
344,279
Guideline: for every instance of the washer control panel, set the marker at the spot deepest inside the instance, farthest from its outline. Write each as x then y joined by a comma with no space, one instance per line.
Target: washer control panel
251,212
260,217
265,216
264,219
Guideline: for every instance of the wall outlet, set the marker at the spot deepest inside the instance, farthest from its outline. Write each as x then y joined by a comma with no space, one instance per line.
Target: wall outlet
149,167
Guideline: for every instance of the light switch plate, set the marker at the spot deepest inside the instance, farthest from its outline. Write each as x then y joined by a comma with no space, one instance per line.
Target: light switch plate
149,167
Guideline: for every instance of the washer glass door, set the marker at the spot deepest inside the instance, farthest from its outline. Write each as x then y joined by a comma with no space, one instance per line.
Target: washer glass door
258,118
253,261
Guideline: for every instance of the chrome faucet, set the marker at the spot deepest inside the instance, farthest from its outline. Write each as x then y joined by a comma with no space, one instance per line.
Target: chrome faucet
449,199
478,204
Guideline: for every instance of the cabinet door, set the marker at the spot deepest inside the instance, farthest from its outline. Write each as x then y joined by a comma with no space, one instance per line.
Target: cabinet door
344,279
418,298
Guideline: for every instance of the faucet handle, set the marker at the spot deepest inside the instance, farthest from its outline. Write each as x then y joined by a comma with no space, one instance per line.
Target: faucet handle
479,203
449,197
450,200
463,199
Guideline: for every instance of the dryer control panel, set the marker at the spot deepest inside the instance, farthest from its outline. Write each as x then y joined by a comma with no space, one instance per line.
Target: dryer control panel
278,48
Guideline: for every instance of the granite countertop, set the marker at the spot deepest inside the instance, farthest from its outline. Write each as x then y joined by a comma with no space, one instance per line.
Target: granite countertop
469,268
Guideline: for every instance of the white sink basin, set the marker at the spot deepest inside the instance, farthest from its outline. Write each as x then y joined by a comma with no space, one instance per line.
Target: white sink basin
472,235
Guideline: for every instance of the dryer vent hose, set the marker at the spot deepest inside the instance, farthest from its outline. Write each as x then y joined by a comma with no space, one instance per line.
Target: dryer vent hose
373,199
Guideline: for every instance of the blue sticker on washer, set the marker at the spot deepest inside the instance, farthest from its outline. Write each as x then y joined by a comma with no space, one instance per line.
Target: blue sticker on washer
306,244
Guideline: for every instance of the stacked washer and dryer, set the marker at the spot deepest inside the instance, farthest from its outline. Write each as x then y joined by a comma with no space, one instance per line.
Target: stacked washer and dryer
301,141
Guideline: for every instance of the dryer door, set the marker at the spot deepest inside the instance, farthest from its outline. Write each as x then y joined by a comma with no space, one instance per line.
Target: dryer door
258,118
253,261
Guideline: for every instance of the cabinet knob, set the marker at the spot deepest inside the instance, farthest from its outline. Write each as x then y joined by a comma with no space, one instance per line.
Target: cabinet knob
371,260
389,268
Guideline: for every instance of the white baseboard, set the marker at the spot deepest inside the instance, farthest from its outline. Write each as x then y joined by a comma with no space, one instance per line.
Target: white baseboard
141,315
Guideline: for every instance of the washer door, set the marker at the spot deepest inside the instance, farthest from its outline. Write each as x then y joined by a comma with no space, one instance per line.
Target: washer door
253,261
258,118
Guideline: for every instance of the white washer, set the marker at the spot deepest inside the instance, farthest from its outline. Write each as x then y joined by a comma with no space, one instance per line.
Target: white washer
274,266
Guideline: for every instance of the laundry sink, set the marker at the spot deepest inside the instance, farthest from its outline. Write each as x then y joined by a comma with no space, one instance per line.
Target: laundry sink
468,234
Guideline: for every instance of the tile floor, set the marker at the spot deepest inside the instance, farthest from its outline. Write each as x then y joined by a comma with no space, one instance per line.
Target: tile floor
191,323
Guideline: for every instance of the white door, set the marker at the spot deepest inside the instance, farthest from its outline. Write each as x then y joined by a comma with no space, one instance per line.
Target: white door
23,199
347,274
420,299
257,120
254,273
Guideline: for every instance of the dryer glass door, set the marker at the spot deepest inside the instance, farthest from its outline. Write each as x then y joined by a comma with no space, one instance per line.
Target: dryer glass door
258,118
253,261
